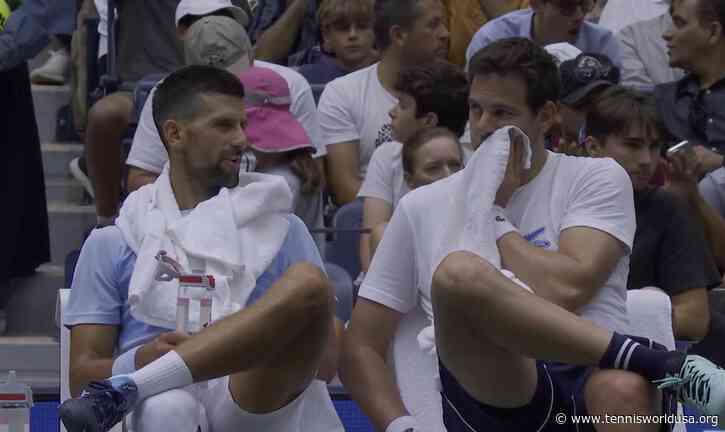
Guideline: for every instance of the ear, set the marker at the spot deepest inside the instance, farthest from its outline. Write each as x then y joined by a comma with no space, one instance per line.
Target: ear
534,4
594,146
430,119
172,133
549,116
397,36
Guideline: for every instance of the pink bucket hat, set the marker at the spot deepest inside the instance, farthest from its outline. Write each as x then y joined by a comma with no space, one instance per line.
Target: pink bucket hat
271,127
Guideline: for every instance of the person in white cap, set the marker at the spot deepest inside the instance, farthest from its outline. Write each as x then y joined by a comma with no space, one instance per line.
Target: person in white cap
220,41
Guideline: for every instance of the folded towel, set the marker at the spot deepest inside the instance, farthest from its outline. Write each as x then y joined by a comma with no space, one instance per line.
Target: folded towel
236,235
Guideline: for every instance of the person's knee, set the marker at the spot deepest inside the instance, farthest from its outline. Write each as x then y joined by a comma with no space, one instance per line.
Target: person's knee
313,291
455,275
171,410
113,110
618,392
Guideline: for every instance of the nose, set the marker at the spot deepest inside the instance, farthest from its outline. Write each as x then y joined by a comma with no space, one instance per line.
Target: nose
644,157
391,113
240,139
353,32
486,124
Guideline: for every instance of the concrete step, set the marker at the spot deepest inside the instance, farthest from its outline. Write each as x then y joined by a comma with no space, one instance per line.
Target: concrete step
68,222
63,189
35,359
47,101
30,304
57,156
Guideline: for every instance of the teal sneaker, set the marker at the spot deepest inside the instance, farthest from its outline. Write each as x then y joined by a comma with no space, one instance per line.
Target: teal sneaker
700,385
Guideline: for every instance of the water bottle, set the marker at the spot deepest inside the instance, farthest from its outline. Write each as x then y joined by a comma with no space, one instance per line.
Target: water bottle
16,399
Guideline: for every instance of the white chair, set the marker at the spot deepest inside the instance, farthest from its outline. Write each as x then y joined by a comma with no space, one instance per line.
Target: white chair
63,295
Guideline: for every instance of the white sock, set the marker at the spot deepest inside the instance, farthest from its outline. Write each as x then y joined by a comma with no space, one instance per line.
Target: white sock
165,373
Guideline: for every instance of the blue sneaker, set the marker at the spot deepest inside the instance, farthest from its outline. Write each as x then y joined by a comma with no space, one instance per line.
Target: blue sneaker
100,406
700,384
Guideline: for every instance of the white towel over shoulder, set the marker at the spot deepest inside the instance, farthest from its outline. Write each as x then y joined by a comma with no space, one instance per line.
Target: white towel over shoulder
237,234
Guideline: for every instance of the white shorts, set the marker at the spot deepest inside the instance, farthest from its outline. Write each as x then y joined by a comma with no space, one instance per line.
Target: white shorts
209,407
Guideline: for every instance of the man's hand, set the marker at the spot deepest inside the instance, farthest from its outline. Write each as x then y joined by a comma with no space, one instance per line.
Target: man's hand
163,343
683,170
708,159
514,170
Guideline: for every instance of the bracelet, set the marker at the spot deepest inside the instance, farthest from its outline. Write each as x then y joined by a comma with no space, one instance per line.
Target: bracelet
125,363
402,424
501,224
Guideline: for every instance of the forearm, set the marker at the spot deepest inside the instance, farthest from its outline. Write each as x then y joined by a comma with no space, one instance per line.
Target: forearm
87,371
329,362
275,43
714,226
345,189
370,383
495,8
365,255
690,315
553,276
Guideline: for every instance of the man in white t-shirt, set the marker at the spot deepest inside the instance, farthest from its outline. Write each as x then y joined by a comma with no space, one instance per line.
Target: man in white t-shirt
434,94
354,109
570,233
209,44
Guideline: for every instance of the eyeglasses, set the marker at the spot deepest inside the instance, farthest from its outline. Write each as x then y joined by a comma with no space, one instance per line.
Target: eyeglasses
569,8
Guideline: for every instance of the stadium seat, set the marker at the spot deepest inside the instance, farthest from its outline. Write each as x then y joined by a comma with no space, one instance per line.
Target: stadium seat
344,248
343,290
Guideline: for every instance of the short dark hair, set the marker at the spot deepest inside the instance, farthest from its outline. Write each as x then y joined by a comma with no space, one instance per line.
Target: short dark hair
618,109
522,57
418,139
711,10
437,87
388,13
177,96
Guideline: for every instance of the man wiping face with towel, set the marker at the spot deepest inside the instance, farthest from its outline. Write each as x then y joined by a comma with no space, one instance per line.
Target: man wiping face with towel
255,366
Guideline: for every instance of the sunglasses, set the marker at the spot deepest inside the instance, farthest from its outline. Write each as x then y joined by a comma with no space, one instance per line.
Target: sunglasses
569,8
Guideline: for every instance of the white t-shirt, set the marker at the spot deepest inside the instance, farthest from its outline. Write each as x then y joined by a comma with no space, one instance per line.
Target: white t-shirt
355,107
385,178
569,192
149,153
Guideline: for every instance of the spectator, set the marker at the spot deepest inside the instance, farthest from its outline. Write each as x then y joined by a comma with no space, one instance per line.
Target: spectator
644,53
548,22
281,145
465,17
109,118
618,14
216,41
256,366
429,95
347,40
353,109
429,155
669,249
582,81
286,32
23,34
693,106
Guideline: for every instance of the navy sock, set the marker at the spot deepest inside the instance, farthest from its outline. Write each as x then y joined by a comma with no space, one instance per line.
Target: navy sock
648,360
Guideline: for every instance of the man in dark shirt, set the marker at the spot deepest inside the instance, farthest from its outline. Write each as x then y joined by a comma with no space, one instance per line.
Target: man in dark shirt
669,250
693,108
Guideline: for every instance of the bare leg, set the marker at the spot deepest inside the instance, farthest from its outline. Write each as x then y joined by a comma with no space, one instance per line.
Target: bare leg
108,120
489,330
616,392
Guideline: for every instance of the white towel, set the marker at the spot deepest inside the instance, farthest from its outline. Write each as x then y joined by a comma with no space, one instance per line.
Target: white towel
472,195
649,311
237,234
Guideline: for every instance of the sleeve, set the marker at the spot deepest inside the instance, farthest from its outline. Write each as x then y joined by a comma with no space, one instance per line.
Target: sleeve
612,49
634,72
391,278
684,260
305,111
337,121
147,151
602,198
95,296
378,181
481,39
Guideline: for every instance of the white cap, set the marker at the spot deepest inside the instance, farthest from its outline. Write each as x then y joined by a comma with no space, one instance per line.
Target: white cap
562,52
205,7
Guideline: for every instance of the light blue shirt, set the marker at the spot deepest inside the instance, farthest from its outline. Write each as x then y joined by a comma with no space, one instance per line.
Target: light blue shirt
592,37
99,292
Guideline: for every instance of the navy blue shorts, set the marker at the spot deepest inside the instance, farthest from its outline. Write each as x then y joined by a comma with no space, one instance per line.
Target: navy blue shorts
559,391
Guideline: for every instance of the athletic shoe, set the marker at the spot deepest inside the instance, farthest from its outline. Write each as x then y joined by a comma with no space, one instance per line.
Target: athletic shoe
100,406
700,384
79,171
54,71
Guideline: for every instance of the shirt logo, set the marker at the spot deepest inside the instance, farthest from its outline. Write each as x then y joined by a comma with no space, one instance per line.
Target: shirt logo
533,236
385,134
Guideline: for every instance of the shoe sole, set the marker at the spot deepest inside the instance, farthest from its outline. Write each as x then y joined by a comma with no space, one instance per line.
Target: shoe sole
73,422
81,177
47,80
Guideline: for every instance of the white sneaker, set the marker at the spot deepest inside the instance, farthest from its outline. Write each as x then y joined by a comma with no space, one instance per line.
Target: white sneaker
55,71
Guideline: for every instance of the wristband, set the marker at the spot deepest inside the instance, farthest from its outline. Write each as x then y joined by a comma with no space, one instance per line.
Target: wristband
125,363
402,424
501,224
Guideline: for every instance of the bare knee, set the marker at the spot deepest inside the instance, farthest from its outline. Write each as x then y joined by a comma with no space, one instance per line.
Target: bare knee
113,110
312,290
455,275
618,392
